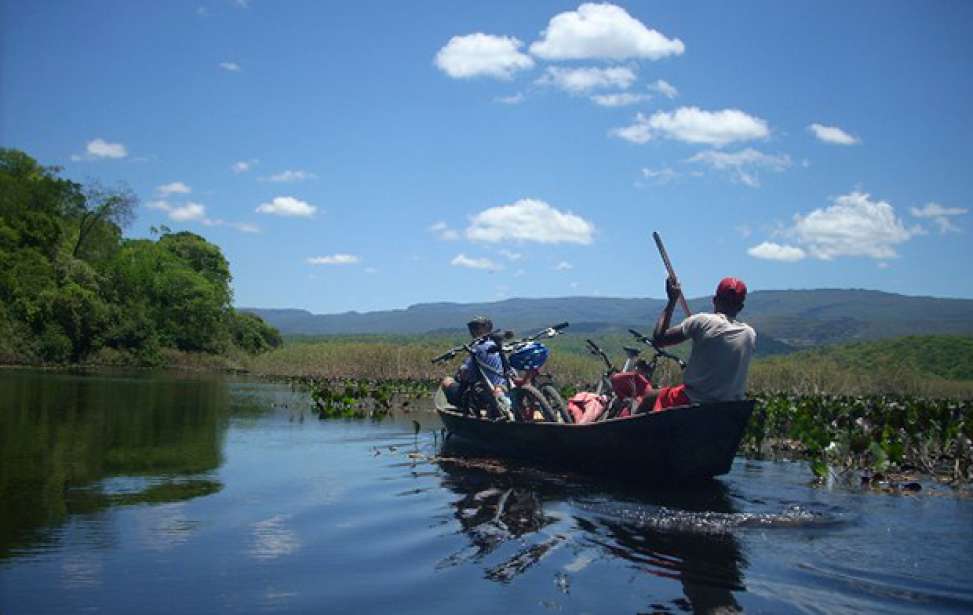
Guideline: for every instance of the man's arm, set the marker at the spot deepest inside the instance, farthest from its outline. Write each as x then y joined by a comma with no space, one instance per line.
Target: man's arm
664,335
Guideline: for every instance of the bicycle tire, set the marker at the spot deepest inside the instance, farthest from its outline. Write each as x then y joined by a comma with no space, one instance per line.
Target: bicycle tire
475,399
535,399
554,399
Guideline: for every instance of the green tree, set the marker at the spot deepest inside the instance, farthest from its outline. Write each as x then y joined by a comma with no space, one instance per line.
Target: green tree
101,216
252,334
70,283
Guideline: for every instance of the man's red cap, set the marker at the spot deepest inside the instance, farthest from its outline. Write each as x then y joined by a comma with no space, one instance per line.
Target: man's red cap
732,289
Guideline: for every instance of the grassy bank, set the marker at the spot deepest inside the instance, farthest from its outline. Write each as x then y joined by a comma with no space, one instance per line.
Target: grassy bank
936,367
876,414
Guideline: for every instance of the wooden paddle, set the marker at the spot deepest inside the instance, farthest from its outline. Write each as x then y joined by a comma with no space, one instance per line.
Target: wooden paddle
672,272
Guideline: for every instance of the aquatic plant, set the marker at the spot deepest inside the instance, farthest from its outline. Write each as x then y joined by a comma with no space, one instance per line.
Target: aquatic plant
877,434
361,398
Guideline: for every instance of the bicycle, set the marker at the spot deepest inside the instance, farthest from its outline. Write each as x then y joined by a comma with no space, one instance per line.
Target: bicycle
481,397
625,387
532,390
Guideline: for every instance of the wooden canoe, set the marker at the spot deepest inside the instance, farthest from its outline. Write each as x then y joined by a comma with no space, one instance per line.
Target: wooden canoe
684,443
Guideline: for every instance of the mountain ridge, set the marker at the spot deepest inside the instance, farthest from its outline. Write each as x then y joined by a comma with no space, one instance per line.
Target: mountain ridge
797,318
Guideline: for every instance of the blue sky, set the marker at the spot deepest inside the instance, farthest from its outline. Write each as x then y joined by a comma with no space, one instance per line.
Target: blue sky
372,155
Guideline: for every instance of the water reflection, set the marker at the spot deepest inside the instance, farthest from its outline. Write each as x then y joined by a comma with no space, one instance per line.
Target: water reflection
494,510
708,566
517,514
78,445
272,538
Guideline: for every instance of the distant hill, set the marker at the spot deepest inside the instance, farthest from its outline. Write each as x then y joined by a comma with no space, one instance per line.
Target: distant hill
949,357
784,319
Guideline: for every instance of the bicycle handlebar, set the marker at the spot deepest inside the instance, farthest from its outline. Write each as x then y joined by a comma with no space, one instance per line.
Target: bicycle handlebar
548,332
651,342
498,338
449,354
594,349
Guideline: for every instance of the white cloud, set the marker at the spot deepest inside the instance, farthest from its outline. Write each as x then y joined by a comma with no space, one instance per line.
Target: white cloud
245,227
173,188
939,215
99,148
602,31
639,132
832,134
243,166
660,176
854,225
189,211
619,100
479,54
181,213
529,220
563,266
287,206
742,164
693,125
289,176
334,259
194,212
665,88
233,67
579,80
512,256
486,264
160,205
776,252
514,99
442,230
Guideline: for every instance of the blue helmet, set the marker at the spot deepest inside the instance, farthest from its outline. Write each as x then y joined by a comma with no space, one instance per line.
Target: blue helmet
529,356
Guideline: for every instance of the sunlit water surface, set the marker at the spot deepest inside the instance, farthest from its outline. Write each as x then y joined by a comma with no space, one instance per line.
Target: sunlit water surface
170,493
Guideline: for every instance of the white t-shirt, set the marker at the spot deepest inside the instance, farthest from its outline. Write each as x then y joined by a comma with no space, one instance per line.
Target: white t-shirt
720,358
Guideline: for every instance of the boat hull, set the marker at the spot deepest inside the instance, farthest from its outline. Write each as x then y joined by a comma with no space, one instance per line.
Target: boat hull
677,444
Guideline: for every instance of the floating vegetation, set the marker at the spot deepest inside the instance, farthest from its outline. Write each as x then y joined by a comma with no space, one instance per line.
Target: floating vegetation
361,398
886,437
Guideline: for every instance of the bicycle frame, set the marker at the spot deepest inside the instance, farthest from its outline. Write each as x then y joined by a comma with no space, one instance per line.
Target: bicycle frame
515,382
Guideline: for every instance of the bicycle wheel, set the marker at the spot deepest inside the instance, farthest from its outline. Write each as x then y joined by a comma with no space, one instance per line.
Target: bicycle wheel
476,399
556,402
530,399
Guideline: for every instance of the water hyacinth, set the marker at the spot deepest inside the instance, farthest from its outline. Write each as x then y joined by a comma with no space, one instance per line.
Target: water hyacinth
361,398
878,434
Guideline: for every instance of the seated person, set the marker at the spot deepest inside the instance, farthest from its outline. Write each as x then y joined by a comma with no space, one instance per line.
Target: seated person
489,361
720,357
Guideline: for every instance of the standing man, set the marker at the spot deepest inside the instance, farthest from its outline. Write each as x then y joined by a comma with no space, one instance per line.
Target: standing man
722,347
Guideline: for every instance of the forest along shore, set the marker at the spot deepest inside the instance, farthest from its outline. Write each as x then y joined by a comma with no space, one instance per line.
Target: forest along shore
73,290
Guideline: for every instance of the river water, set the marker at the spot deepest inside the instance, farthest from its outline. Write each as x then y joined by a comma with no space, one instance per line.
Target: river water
170,493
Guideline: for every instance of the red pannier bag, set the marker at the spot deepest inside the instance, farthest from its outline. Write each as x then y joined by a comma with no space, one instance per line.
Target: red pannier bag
630,385
586,407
